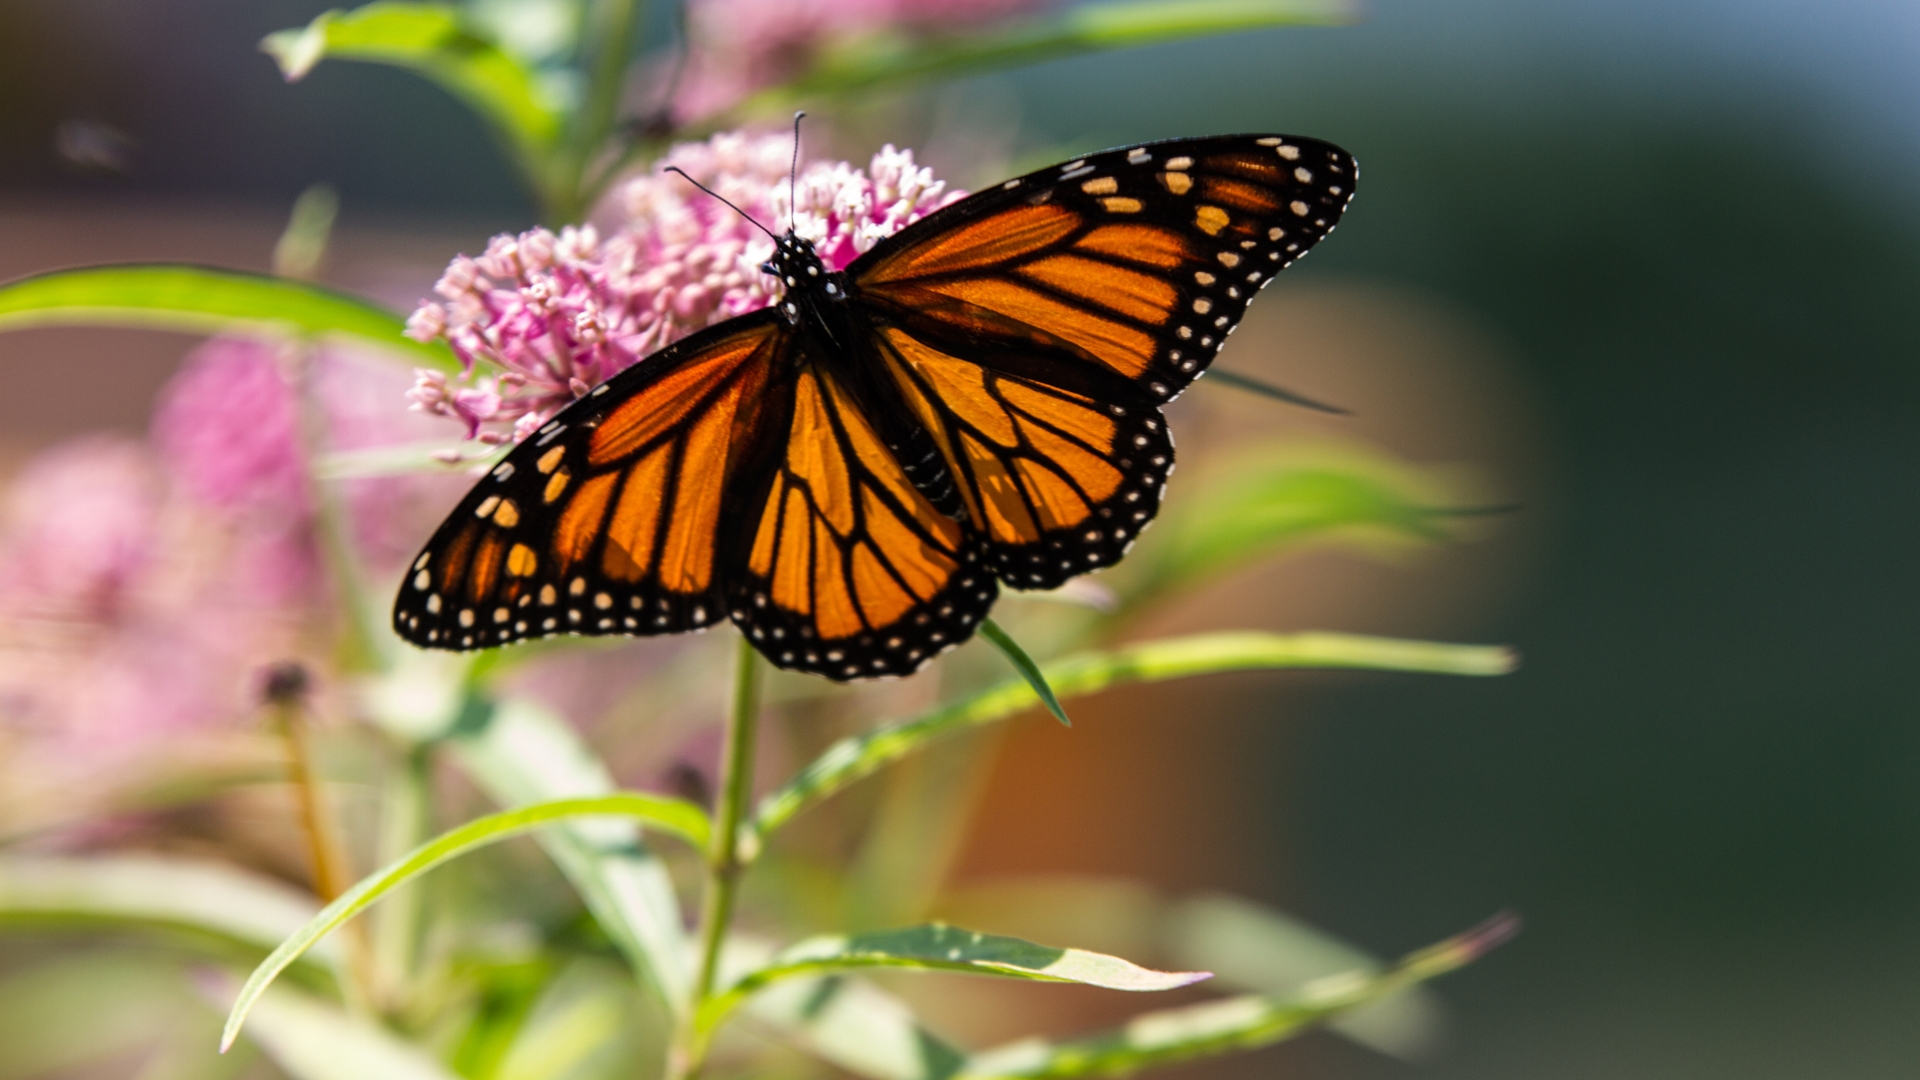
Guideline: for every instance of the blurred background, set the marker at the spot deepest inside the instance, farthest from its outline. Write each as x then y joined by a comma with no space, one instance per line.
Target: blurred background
1648,270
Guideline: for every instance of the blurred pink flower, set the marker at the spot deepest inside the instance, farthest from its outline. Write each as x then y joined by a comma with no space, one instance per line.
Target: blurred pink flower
555,316
390,515
126,612
228,425
739,46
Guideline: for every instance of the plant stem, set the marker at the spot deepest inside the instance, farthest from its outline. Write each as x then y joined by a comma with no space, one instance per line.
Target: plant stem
724,861
286,701
607,34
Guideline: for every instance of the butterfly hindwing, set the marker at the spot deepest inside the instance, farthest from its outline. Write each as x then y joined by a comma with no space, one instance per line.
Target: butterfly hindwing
1054,481
1139,260
609,519
851,572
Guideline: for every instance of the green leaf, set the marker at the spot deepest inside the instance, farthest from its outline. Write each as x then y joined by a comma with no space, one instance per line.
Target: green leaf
407,459
939,947
889,59
856,1026
89,1006
169,893
1274,499
1200,654
674,816
434,41
201,299
1028,670
1252,947
520,753
312,1040
1222,377
1230,1024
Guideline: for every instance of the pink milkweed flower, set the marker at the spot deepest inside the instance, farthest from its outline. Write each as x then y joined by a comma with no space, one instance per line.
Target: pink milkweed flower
553,316
739,46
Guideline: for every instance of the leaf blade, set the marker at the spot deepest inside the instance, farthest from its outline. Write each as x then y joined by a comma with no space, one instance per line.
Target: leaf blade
435,42
858,756
879,60
1237,1023
939,947
201,299
674,816
1030,671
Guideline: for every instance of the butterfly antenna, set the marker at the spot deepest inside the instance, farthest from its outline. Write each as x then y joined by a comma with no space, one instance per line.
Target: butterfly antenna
793,173
715,194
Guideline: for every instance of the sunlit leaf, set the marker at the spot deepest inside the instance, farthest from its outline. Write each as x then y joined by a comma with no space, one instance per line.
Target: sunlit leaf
1252,947
1231,1024
582,1019
1247,946
938,947
1174,658
433,40
520,753
1275,499
429,458
1218,376
856,1026
312,1040
202,299
676,817
891,59
87,1007
1030,671
149,890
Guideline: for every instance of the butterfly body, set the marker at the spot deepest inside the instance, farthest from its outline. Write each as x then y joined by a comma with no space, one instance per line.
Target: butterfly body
849,475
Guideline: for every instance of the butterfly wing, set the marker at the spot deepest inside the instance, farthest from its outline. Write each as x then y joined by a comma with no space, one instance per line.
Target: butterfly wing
851,572
1035,328
612,518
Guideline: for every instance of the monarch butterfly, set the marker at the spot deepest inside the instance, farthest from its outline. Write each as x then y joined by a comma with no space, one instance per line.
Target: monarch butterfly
849,475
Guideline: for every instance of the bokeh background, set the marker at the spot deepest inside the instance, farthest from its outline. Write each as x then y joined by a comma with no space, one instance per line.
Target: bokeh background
1650,270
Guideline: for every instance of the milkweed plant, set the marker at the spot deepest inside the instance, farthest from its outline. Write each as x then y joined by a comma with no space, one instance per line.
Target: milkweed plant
195,642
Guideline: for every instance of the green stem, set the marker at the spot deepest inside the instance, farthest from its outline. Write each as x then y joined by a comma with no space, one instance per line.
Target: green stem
724,861
607,36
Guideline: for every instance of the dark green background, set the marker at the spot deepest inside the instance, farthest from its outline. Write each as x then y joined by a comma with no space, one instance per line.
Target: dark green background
1703,790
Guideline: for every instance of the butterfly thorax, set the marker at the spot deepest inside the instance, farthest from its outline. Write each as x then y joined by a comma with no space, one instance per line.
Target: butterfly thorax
808,282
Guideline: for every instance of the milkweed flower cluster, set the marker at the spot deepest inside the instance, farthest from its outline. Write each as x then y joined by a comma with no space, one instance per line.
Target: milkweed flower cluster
552,316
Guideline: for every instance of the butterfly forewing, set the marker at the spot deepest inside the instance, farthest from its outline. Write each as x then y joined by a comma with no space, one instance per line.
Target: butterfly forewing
1140,260
852,571
610,519
1035,328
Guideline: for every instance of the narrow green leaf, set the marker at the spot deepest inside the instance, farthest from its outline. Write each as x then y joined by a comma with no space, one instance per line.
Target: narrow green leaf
889,59
201,299
939,947
520,753
1252,947
1174,658
408,459
1273,499
674,816
1230,1024
312,1040
1024,664
148,890
434,41
856,1026
1223,377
